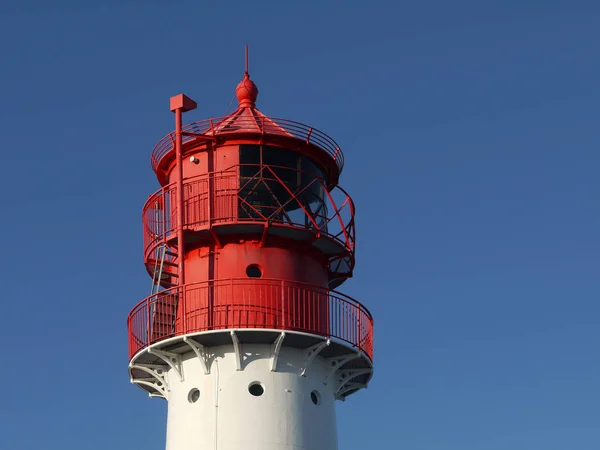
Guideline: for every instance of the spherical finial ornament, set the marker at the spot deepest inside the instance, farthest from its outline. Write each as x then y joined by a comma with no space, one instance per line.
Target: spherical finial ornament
246,92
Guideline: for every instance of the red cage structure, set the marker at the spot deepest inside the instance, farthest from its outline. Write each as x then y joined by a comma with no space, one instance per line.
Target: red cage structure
245,242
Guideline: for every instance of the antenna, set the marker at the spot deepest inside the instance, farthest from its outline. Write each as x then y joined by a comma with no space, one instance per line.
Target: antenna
246,58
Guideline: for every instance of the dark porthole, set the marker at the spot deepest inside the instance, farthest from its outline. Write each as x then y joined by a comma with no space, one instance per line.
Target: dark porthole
256,389
193,395
254,271
315,397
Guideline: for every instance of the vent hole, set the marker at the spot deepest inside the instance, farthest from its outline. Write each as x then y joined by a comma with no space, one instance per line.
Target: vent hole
315,397
254,271
256,389
194,395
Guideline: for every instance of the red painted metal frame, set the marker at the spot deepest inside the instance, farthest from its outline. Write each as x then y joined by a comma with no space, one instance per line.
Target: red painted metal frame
160,220
243,303
264,125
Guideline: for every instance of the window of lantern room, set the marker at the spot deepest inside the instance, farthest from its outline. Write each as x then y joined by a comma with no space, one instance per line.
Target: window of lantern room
282,186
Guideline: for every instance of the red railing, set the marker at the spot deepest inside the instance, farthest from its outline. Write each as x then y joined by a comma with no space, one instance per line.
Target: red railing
259,194
248,125
248,304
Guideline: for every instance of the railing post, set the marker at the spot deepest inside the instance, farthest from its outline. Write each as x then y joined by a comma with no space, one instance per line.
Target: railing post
283,316
329,313
129,334
358,335
184,309
231,301
337,150
164,214
308,136
210,187
148,321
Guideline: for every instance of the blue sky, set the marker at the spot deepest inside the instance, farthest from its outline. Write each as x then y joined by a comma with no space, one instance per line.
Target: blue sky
471,143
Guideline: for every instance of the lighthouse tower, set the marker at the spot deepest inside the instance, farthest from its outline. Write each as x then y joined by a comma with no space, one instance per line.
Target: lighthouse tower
243,333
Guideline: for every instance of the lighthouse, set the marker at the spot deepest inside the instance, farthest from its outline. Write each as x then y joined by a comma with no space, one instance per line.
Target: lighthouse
245,333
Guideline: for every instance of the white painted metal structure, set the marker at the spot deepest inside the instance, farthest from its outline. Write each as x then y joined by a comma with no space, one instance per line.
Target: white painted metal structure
251,389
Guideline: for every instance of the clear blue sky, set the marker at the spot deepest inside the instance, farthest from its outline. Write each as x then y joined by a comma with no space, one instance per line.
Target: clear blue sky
470,130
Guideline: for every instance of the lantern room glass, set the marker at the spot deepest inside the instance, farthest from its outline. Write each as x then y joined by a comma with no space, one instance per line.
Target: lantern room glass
282,186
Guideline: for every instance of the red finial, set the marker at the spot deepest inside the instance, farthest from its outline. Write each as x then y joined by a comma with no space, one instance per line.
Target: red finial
246,91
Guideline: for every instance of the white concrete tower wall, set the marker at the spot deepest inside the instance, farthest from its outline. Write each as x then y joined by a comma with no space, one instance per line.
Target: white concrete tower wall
254,408
247,389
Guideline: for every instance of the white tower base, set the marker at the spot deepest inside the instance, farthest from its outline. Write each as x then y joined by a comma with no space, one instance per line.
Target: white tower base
229,390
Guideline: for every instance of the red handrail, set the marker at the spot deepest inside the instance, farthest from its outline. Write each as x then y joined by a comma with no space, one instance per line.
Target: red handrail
334,220
268,125
243,303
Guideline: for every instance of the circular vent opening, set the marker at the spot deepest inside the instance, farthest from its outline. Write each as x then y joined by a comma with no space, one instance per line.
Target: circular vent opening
256,389
193,395
254,271
315,397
